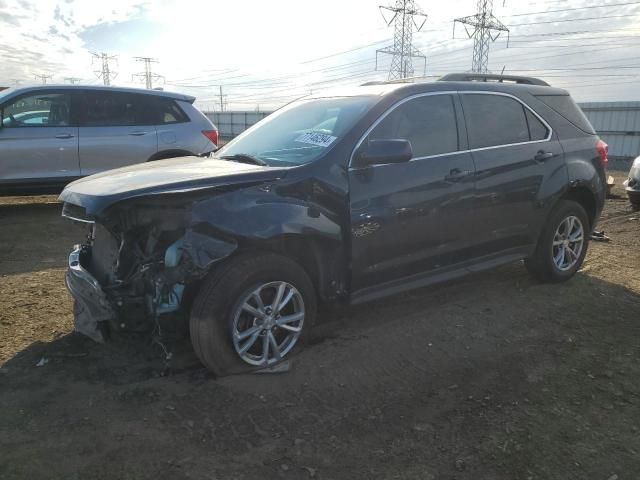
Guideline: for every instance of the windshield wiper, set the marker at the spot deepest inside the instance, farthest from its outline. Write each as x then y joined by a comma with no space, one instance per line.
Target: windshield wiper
245,158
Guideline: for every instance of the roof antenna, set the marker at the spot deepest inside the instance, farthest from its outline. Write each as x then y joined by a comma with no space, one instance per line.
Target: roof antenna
503,67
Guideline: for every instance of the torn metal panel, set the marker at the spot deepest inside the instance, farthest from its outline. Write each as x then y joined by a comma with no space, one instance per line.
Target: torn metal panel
92,305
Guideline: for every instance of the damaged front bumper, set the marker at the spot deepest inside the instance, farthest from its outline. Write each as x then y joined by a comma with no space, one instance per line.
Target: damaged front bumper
91,304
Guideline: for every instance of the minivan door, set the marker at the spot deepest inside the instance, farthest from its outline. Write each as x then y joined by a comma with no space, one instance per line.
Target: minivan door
112,131
38,141
515,153
413,217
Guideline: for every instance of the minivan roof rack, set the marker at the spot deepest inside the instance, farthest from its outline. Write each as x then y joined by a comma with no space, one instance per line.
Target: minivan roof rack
488,77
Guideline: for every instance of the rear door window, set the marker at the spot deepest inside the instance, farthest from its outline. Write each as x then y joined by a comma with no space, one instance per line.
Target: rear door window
428,122
110,109
42,109
494,120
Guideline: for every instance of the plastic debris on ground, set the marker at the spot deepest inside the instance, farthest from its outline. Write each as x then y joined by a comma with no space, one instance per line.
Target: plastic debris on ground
282,367
42,362
599,236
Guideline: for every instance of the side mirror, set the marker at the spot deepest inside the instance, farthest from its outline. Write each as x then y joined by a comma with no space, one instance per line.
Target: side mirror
378,152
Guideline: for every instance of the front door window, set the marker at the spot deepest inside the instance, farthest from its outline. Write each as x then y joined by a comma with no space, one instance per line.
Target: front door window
38,110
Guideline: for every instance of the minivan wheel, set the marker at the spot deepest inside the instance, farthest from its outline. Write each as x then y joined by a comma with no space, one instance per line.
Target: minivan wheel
251,313
562,245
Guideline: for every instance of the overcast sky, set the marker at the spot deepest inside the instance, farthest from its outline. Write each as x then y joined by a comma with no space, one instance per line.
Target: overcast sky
269,52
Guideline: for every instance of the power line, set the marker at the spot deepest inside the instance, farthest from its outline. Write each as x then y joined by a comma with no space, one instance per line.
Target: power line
344,51
575,8
574,20
577,32
484,23
72,80
405,13
148,76
105,72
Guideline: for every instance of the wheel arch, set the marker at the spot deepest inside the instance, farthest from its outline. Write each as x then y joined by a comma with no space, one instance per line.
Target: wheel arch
322,259
586,198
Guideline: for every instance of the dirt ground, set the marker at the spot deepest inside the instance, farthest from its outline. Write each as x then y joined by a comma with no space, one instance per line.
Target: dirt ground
490,377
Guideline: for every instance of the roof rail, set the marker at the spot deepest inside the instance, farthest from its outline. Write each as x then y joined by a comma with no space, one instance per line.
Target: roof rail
390,82
488,77
420,79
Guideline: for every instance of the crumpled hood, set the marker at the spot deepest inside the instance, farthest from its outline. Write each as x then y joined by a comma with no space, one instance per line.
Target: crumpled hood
184,174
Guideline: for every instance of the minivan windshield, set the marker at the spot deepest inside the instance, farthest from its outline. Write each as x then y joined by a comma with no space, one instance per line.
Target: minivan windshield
298,133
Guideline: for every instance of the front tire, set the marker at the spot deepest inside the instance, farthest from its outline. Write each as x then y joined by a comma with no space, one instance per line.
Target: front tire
562,245
251,313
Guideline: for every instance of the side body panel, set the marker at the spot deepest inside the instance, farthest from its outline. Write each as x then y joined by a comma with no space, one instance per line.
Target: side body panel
54,158
105,148
408,218
583,164
36,156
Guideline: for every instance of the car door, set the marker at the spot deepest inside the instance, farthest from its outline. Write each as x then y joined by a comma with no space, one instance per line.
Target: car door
38,139
409,218
113,132
515,153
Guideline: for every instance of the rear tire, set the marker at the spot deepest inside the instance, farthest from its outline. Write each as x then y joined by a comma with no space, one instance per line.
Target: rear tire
562,244
226,314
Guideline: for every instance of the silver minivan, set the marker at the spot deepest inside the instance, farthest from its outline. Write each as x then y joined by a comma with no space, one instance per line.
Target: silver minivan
51,135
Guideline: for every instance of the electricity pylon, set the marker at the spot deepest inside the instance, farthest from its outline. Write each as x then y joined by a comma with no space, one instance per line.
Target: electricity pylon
405,13
43,78
105,72
148,75
486,29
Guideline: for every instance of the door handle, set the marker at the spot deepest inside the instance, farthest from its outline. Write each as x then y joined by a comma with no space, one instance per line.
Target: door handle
455,175
541,156
65,135
137,133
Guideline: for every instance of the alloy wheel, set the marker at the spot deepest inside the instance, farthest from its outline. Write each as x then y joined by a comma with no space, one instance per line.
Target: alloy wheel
568,243
267,323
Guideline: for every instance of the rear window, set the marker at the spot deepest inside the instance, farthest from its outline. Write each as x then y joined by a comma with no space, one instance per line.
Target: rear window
565,106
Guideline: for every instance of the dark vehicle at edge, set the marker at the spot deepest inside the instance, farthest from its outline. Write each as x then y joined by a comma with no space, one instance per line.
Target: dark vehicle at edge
337,199
632,185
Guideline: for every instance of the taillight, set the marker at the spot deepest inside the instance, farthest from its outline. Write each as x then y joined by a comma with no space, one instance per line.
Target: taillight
603,151
211,135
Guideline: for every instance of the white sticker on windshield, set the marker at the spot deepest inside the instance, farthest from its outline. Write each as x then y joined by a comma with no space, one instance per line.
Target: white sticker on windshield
316,138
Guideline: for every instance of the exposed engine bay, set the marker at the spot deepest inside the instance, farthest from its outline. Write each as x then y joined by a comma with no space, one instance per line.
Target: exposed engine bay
137,264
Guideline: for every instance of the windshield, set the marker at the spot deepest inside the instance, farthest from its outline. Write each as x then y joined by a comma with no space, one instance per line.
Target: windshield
301,132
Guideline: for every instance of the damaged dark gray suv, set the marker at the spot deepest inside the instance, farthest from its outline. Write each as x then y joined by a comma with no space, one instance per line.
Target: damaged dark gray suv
337,199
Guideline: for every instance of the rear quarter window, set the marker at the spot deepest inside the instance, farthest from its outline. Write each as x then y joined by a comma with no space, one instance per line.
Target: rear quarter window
566,107
163,111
